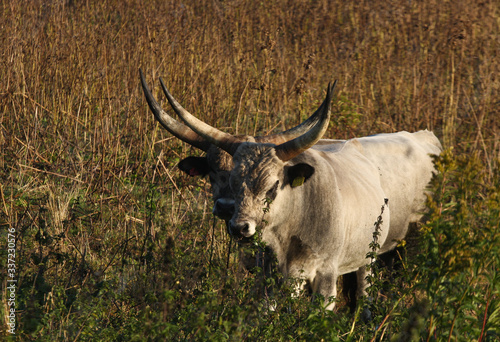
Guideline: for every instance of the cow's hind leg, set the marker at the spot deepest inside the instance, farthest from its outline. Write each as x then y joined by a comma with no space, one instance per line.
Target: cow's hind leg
361,274
349,289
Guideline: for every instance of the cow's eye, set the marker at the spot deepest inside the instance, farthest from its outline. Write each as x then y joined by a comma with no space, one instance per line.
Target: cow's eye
271,193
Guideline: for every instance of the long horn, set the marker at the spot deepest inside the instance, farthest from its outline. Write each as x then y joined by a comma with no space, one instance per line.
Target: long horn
293,148
225,141
292,133
176,128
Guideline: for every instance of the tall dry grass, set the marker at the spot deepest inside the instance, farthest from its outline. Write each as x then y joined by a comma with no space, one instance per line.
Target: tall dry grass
88,179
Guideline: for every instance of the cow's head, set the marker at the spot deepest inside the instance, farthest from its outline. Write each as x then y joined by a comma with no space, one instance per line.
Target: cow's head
217,163
262,170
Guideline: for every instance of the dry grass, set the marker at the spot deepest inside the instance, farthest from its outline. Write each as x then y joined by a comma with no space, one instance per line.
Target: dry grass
83,162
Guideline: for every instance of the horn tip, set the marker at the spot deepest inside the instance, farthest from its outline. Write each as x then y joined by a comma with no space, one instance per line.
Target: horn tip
331,87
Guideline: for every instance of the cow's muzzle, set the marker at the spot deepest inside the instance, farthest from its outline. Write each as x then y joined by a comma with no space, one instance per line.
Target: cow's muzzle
241,230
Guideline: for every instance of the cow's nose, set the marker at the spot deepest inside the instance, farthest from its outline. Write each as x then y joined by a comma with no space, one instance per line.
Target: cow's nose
238,230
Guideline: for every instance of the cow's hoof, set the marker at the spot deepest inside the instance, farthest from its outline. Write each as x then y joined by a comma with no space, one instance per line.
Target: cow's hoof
366,315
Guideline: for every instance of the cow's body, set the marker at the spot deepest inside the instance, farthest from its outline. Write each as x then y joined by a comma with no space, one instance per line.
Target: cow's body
405,165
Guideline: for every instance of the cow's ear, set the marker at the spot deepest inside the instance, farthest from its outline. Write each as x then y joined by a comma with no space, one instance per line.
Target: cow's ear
299,173
194,166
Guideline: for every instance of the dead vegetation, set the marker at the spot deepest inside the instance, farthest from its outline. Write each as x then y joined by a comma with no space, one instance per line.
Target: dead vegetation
89,180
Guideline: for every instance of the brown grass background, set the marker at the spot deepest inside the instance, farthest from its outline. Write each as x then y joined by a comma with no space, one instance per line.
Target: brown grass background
84,164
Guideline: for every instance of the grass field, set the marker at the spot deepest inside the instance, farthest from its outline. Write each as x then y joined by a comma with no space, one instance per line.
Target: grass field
113,243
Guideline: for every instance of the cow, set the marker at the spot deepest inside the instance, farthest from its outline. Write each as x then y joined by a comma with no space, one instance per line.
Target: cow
316,206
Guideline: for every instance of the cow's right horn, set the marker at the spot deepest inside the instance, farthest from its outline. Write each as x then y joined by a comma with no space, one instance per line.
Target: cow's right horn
292,133
292,148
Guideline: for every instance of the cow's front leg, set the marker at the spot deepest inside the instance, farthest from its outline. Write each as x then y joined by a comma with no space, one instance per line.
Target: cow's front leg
326,285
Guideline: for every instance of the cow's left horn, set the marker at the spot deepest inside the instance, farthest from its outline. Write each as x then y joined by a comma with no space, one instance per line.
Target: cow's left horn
293,148
176,128
225,141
